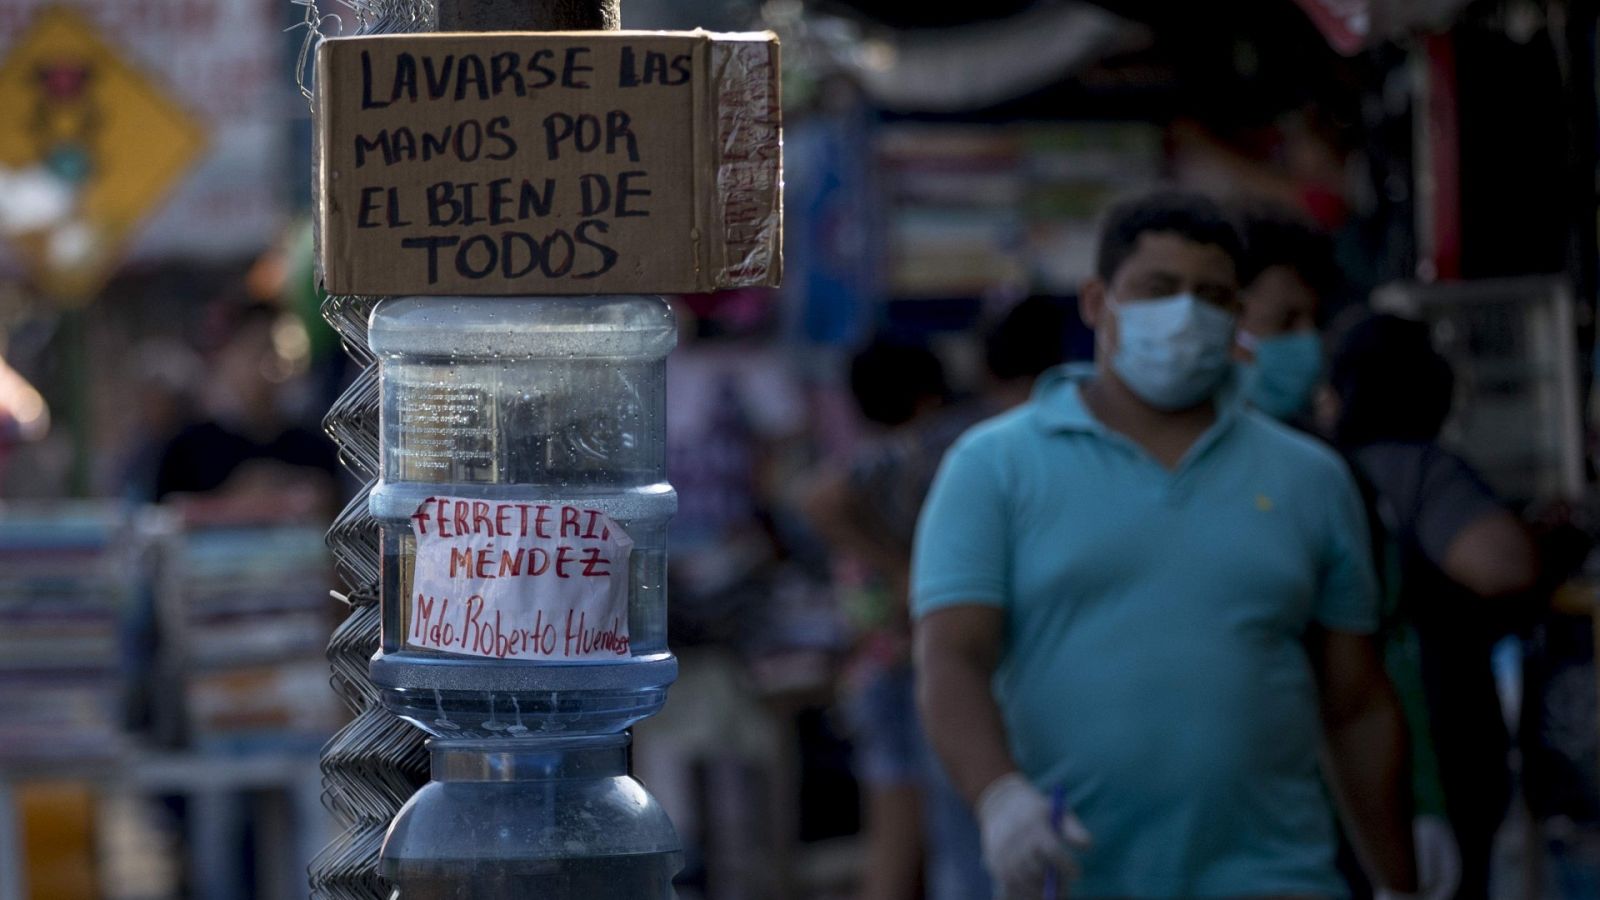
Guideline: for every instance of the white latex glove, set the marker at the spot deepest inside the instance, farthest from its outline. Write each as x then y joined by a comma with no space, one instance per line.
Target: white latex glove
1438,858
1019,842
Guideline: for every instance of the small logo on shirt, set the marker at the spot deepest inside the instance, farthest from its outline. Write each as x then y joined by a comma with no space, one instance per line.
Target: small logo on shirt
1263,503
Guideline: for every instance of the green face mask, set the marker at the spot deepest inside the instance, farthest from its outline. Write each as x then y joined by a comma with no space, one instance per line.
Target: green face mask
1285,374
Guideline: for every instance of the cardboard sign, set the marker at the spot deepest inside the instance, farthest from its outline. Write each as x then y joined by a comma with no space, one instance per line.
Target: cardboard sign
562,163
534,581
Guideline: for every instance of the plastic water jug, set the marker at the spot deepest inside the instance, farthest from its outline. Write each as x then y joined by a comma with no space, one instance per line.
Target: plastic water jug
559,820
523,506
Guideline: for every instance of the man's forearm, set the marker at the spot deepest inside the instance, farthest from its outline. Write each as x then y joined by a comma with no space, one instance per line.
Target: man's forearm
1367,755
963,722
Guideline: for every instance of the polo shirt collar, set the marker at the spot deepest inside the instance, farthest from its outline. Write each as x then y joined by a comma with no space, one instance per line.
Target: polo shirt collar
1058,405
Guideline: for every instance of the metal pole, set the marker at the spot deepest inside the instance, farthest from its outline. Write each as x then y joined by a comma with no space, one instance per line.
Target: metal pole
374,765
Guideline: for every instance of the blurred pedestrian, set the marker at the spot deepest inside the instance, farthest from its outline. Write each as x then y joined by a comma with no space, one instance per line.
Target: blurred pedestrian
1459,555
917,827
1290,280
167,378
866,511
738,411
24,416
246,458
1134,596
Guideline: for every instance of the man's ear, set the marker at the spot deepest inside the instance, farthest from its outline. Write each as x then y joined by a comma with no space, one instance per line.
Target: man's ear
1092,301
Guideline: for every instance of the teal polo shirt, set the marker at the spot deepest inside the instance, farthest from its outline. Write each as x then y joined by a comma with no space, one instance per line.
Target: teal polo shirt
1153,666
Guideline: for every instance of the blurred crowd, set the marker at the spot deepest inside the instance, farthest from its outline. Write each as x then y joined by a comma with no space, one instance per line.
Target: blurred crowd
1123,659
1378,606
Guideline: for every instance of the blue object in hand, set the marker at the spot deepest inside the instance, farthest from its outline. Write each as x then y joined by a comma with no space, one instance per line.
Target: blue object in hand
1058,808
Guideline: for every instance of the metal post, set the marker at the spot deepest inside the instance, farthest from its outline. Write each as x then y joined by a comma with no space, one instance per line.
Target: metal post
373,765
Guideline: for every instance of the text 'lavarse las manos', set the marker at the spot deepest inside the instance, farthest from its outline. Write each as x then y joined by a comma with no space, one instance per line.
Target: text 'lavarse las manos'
579,251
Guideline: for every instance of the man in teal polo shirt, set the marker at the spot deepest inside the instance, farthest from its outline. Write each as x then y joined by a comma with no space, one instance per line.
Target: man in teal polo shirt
1143,609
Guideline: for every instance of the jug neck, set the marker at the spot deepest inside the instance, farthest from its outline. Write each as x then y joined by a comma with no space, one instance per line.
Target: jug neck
530,758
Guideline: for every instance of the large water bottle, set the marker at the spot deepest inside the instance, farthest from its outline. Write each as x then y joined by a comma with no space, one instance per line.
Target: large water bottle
523,505
556,820
523,447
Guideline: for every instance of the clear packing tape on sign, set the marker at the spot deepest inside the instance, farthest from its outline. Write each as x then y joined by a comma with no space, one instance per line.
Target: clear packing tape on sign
559,163
518,580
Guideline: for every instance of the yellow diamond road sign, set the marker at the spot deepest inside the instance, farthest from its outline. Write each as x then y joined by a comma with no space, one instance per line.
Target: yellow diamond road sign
89,146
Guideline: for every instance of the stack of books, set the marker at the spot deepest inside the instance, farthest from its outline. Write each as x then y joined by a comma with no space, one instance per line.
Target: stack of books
70,580
246,615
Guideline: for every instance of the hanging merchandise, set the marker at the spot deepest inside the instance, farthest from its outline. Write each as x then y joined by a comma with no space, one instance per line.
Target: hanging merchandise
1354,25
831,247
970,67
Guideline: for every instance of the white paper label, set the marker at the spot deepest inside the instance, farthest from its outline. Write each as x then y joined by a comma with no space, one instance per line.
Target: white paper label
539,581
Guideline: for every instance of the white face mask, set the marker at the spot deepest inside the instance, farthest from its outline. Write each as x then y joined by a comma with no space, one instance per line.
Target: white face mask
1172,352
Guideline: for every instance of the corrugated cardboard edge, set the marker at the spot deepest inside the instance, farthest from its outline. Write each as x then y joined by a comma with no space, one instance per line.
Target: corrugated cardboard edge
702,236
334,261
747,190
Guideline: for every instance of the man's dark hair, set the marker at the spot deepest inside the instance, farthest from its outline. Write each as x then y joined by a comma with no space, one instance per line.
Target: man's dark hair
1392,384
1031,338
889,378
1275,235
1190,215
